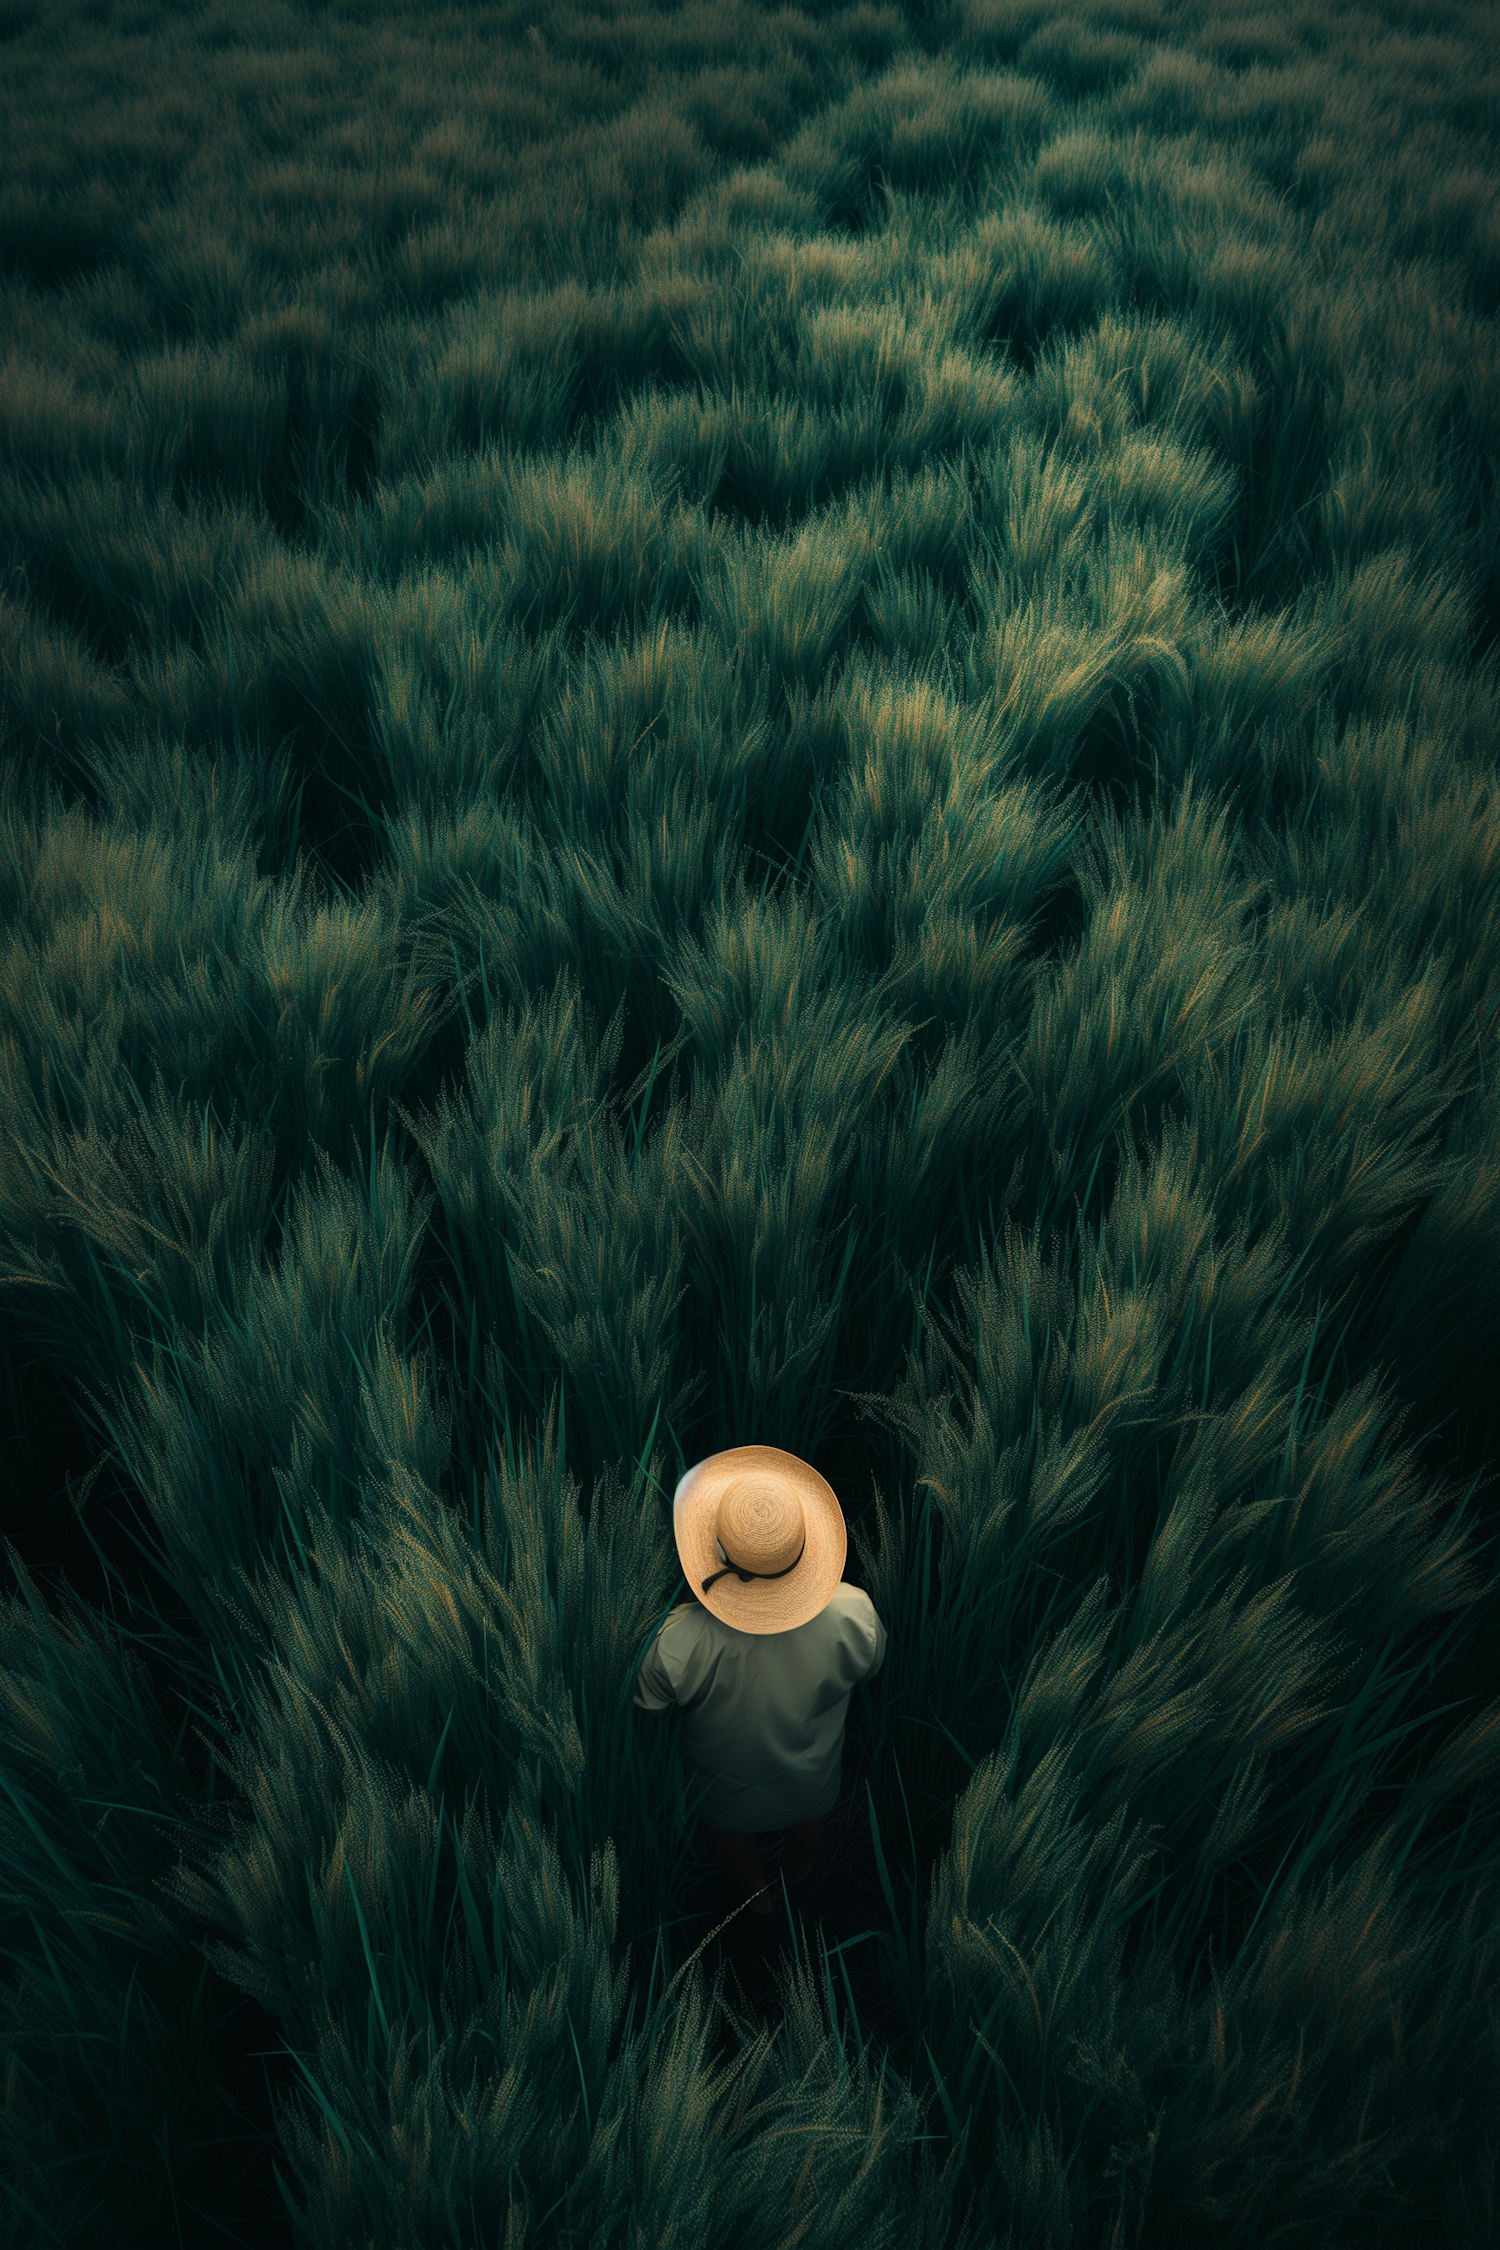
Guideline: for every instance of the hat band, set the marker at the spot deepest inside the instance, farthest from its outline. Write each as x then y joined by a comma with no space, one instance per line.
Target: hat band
745,1576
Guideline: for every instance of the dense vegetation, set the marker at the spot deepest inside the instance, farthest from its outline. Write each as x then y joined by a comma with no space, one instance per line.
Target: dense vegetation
725,724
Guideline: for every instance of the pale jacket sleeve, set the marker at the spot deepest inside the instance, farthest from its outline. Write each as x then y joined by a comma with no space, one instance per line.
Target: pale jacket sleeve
653,1686
868,1638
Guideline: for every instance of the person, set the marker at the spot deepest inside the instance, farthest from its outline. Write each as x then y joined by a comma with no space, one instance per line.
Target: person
762,1660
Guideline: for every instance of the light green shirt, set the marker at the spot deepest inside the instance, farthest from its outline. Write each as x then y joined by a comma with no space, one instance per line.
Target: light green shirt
763,1713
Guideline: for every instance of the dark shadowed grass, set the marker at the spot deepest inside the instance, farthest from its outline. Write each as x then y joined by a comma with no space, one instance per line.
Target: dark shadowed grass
726,725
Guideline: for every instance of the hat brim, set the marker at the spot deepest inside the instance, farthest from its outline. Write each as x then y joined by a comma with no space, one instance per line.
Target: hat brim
764,1605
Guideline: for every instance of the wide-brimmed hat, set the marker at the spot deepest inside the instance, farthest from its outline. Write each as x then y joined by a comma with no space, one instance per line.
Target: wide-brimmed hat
761,1537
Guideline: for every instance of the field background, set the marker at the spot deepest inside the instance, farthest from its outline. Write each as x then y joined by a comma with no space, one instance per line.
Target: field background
736,724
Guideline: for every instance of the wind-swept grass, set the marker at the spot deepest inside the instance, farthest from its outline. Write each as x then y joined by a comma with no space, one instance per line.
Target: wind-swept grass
729,725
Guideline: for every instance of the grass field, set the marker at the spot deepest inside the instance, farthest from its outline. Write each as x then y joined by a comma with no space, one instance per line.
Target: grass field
733,724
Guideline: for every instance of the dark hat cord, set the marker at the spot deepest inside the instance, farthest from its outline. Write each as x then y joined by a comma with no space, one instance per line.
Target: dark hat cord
745,1576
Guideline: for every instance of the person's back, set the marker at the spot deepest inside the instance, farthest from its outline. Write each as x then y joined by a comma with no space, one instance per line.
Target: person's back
762,1661
763,1714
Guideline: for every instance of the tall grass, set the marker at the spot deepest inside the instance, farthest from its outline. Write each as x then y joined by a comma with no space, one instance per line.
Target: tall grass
729,725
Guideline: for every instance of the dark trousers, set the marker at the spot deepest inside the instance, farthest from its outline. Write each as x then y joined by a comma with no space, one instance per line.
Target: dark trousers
739,1856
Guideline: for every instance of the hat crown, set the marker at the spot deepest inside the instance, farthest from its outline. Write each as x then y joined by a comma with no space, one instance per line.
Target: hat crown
760,1523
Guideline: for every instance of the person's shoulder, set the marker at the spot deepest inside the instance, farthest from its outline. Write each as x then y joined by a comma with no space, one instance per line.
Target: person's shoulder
848,1601
686,1618
680,1637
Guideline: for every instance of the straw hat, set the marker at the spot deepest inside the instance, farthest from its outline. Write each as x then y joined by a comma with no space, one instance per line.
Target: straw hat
761,1536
